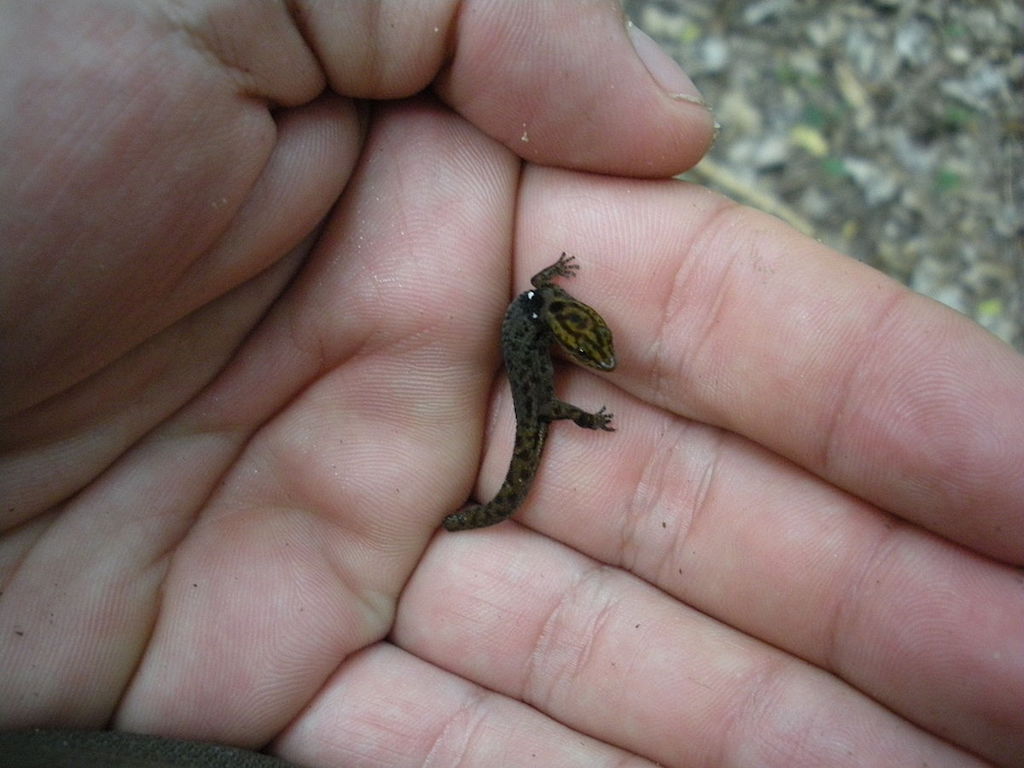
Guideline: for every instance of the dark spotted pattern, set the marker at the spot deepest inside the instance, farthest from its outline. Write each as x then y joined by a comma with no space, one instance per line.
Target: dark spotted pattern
533,321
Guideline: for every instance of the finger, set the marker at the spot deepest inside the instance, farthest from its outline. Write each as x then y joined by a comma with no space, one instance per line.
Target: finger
557,83
587,91
766,547
97,560
113,207
189,323
608,655
386,707
383,356
726,315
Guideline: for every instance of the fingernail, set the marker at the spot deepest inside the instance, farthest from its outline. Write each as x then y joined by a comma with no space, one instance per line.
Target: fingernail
663,69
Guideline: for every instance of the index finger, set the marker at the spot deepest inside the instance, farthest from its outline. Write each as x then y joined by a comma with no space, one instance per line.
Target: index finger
728,316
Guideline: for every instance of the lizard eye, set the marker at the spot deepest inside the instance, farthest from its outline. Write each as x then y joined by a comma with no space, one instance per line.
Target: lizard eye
533,303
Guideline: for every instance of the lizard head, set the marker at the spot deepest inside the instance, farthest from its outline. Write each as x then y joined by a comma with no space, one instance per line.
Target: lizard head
580,330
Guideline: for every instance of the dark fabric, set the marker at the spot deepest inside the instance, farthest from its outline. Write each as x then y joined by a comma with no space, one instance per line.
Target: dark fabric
41,748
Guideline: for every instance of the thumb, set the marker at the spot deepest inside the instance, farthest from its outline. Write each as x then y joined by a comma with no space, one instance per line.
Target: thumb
578,86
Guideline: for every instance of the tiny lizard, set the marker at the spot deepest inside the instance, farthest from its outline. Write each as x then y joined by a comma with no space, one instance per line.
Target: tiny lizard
534,320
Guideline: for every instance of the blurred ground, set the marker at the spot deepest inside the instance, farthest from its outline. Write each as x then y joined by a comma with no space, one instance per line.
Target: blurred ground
890,130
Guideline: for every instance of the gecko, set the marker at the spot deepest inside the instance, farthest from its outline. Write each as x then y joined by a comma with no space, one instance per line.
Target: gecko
535,320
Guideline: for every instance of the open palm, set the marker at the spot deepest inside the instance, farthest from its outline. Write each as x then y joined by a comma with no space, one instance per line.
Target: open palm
250,362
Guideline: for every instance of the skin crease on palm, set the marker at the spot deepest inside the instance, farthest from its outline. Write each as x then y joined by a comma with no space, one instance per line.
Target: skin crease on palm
256,257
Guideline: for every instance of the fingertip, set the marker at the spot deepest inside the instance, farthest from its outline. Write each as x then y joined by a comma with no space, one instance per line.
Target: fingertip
662,68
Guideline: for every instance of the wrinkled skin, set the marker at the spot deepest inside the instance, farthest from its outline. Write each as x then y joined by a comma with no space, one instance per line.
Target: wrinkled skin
251,289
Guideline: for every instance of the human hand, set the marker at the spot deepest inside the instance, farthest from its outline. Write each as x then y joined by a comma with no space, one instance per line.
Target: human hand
230,436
